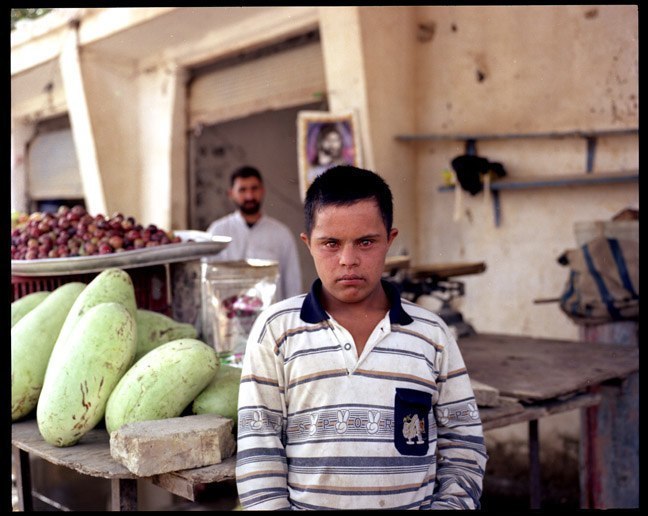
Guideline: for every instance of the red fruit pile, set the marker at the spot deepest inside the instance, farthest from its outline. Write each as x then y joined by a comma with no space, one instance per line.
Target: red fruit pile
74,232
242,306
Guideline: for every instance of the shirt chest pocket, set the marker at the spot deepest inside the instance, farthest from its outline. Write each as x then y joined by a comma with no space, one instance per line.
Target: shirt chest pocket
411,428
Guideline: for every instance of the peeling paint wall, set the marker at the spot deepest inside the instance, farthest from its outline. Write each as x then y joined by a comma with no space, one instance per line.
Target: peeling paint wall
524,69
528,68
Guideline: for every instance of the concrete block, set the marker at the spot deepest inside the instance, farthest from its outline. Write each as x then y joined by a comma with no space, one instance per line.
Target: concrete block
485,395
153,447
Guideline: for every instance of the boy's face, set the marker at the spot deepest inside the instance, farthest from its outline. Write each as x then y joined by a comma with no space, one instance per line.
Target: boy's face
348,245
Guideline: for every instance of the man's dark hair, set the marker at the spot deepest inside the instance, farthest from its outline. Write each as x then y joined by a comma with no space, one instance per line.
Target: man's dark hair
344,185
243,172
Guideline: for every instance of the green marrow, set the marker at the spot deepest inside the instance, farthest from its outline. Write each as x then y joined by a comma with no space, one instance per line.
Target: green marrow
83,373
32,341
24,305
155,329
162,383
221,395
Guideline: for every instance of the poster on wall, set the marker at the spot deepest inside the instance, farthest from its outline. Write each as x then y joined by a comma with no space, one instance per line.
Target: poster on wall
325,140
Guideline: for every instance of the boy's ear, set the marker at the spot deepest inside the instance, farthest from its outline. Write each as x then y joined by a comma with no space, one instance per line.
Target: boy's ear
305,239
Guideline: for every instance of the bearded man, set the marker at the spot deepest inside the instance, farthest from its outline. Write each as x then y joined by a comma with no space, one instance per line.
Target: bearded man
256,235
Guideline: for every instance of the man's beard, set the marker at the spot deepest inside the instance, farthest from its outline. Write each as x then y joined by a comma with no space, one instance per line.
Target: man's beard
250,207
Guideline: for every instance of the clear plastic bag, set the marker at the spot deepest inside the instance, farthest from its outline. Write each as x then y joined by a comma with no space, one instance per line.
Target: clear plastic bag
233,295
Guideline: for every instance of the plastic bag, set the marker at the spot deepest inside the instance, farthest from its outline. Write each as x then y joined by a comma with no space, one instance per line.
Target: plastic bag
233,295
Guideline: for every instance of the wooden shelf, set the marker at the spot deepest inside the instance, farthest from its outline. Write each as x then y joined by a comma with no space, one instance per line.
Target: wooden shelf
513,136
530,182
508,183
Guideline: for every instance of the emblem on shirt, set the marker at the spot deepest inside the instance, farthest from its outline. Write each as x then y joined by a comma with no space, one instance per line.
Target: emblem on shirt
372,425
413,427
411,412
313,425
342,422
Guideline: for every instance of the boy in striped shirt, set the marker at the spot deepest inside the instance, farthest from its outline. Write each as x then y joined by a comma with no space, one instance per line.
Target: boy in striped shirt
352,397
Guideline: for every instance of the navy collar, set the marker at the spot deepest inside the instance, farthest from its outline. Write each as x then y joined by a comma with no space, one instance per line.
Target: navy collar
313,312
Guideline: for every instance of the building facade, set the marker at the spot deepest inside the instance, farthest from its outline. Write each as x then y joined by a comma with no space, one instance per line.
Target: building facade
147,110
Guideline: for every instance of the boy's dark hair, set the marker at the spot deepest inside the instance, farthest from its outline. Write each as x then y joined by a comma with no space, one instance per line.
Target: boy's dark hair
344,185
245,171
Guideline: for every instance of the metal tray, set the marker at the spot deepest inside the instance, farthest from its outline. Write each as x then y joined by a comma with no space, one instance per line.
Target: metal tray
194,245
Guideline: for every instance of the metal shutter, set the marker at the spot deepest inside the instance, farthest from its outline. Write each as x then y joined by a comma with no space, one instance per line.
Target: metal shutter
285,79
53,167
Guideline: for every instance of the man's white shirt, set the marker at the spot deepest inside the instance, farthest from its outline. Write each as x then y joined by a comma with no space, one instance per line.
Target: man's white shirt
267,239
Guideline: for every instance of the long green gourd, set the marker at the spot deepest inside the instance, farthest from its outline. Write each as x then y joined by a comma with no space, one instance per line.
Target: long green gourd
32,341
24,305
155,329
83,373
162,383
111,285
221,395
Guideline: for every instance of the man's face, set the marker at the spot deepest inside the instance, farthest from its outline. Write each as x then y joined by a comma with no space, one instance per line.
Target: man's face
247,194
348,245
331,145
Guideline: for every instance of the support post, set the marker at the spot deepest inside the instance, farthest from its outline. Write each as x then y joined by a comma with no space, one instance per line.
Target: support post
123,494
534,465
609,444
23,480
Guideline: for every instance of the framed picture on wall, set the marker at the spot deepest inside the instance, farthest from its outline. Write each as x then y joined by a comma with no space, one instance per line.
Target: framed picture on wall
325,140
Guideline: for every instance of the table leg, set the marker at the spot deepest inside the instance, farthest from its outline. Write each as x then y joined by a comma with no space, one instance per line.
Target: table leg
23,480
609,448
534,464
123,494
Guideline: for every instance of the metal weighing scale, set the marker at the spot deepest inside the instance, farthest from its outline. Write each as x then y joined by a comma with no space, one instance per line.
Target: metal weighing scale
436,280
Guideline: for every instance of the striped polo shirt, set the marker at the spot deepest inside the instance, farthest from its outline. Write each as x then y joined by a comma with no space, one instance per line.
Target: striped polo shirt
321,428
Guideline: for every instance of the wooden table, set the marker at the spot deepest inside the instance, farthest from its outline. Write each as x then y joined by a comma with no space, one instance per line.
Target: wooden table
540,377
91,456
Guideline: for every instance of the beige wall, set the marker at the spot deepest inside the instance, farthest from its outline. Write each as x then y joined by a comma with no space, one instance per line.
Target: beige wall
111,93
546,68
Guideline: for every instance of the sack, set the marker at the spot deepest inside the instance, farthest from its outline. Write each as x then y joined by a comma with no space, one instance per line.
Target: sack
603,284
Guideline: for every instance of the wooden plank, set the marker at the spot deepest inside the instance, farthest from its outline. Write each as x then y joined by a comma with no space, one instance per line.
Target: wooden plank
91,456
531,369
509,414
492,417
498,417
446,270
565,180
188,483
485,395
209,474
580,401
510,136
583,179
396,262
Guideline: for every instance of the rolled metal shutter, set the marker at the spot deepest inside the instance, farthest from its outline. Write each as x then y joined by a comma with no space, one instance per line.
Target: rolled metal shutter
284,79
53,169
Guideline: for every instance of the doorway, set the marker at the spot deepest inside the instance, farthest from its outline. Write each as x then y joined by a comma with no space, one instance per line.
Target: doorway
267,141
